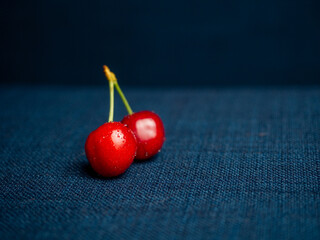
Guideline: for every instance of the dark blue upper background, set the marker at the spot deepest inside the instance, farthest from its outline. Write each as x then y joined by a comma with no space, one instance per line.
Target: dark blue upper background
164,42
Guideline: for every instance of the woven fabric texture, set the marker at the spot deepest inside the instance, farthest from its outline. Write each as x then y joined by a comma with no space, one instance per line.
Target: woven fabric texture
236,164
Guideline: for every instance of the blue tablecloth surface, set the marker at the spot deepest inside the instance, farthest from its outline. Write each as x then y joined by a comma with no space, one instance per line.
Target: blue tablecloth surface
238,163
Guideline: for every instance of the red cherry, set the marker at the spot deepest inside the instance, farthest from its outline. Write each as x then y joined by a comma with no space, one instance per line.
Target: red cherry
111,149
149,131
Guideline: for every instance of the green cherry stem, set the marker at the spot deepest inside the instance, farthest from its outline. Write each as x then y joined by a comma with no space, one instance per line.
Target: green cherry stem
111,109
112,80
123,98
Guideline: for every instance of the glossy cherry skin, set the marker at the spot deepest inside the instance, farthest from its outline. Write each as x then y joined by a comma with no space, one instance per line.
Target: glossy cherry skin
111,149
149,131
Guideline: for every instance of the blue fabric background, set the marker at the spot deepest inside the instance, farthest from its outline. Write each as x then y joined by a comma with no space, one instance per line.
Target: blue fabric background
237,164
215,42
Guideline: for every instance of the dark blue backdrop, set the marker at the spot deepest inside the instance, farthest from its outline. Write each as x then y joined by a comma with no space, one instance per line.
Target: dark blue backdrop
161,42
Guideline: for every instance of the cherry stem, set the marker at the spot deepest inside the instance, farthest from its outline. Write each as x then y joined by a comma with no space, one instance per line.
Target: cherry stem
114,82
123,98
111,110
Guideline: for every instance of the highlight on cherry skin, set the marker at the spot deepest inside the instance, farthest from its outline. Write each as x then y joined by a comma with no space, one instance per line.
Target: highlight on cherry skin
111,149
149,131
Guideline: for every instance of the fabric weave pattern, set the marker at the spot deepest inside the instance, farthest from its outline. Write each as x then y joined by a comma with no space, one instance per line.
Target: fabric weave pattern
236,164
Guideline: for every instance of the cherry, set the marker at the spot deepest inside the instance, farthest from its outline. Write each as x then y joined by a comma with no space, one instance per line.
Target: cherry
147,126
111,149
149,131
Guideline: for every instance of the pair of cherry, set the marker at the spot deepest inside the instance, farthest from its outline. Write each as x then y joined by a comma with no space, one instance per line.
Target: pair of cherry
112,147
